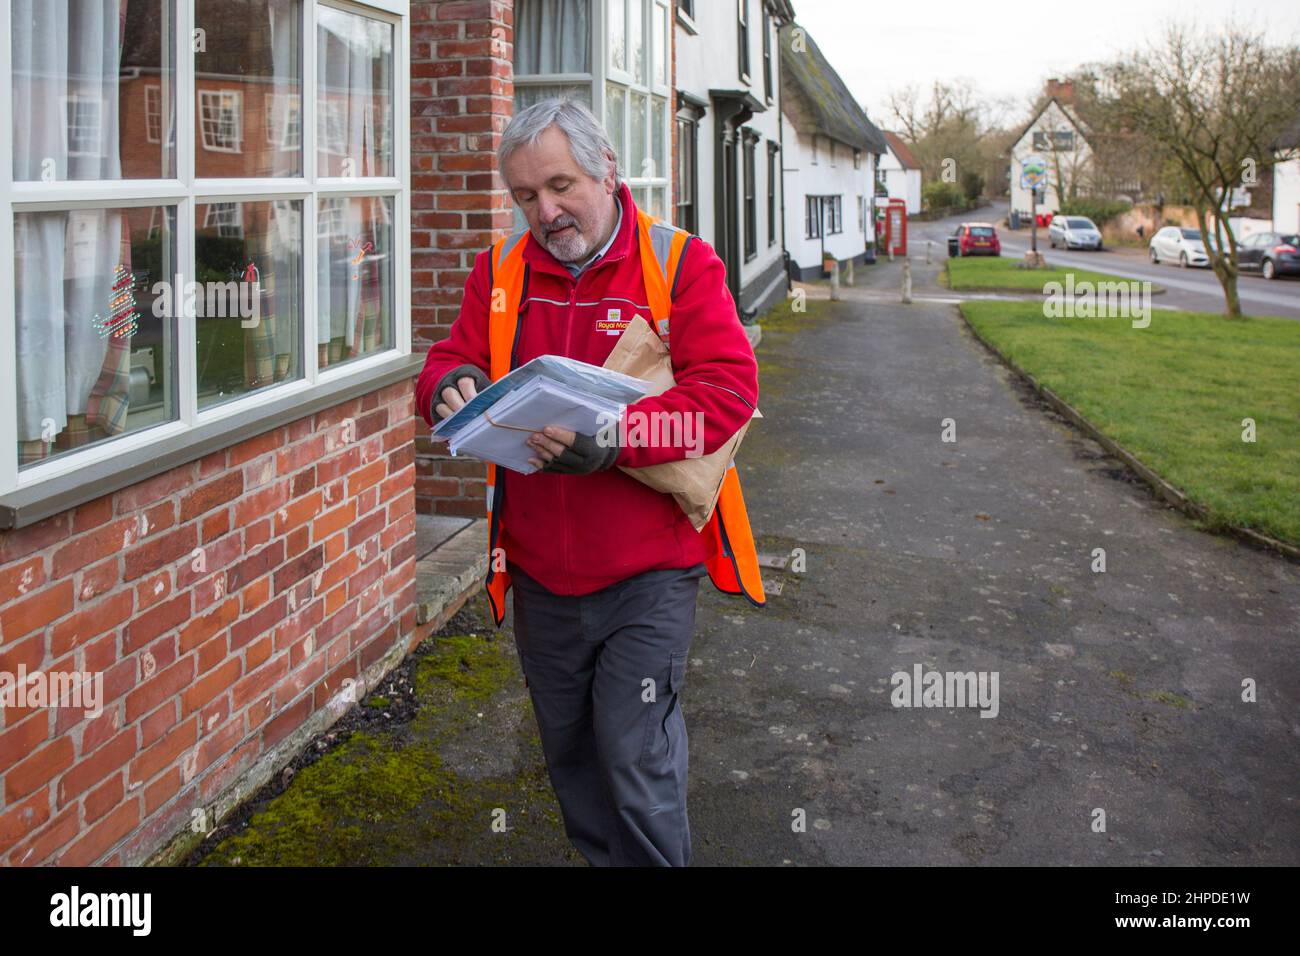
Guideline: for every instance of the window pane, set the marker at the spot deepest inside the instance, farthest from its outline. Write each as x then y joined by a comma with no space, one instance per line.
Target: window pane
658,203
103,116
354,97
617,35
248,76
657,137
615,112
527,95
637,163
248,296
354,284
95,338
552,36
661,44
636,40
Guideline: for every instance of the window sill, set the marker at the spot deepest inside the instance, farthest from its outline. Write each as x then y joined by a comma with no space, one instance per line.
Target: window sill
686,23
35,503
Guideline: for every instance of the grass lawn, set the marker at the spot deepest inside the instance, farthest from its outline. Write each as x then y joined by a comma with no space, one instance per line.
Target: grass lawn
999,274
1175,394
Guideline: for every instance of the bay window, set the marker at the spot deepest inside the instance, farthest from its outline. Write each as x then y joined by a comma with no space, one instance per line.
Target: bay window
614,56
163,287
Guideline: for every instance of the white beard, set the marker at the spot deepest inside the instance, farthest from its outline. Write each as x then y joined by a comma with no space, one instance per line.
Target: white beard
568,248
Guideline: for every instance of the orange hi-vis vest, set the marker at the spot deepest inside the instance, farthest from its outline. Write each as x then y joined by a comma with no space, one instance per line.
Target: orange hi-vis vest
732,561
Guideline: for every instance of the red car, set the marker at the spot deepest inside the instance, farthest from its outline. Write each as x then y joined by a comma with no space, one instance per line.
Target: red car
977,239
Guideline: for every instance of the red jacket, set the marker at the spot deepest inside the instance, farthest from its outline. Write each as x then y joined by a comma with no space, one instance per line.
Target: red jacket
579,533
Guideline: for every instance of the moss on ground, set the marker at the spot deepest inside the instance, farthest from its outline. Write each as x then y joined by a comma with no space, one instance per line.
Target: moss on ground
403,796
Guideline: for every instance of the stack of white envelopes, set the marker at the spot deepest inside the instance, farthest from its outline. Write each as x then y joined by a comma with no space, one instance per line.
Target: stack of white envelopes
550,390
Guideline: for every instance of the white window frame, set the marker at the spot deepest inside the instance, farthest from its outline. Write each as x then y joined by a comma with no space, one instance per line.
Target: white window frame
279,108
227,217
213,143
71,101
153,113
602,72
185,192
660,179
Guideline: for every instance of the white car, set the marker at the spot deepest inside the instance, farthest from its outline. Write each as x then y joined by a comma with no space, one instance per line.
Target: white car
1178,244
1073,232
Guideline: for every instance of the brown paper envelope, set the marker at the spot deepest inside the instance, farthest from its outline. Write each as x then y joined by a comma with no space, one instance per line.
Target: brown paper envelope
694,483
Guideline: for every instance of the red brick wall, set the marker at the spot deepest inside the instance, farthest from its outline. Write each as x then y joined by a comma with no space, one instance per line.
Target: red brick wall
224,602
461,100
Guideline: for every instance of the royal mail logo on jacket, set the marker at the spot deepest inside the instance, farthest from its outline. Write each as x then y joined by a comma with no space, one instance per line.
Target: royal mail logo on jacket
613,323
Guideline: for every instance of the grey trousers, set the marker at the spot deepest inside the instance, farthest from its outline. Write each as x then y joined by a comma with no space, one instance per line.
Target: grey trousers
605,672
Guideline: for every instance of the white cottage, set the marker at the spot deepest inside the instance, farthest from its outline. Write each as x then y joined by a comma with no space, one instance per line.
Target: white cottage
900,173
1057,139
831,152
728,140
1286,181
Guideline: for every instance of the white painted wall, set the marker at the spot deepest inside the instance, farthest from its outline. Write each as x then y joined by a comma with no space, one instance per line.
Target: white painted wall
1286,195
1053,118
804,178
710,60
902,183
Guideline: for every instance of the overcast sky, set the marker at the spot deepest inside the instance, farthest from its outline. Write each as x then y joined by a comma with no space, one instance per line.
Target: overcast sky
1006,49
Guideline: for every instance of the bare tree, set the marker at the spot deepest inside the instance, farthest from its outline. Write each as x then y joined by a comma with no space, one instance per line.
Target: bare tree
945,129
1212,102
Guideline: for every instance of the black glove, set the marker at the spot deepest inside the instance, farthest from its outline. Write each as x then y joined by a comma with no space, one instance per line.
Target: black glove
584,456
481,382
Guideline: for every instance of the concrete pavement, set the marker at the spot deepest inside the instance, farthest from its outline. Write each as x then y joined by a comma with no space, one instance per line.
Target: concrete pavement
1120,691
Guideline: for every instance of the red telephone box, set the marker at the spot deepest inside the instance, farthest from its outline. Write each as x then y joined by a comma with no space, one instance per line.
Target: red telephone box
896,227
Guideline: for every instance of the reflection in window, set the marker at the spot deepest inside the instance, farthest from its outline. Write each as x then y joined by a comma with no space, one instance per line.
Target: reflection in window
81,106
617,35
552,36
95,346
153,114
221,119
247,53
226,218
247,298
332,126
329,218
283,120
85,125
354,278
354,94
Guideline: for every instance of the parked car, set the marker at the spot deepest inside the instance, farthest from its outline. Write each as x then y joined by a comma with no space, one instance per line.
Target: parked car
1178,244
1271,254
977,238
1073,232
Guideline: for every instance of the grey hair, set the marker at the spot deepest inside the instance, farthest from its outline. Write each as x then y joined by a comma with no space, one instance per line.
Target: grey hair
587,137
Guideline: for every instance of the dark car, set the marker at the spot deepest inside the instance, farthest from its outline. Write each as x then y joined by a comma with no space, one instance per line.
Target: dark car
977,239
1271,254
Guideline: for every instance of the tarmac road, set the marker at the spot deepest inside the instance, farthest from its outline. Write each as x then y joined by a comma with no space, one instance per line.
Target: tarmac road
1193,289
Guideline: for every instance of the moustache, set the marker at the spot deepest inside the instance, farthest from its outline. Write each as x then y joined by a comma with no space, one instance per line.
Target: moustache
560,223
